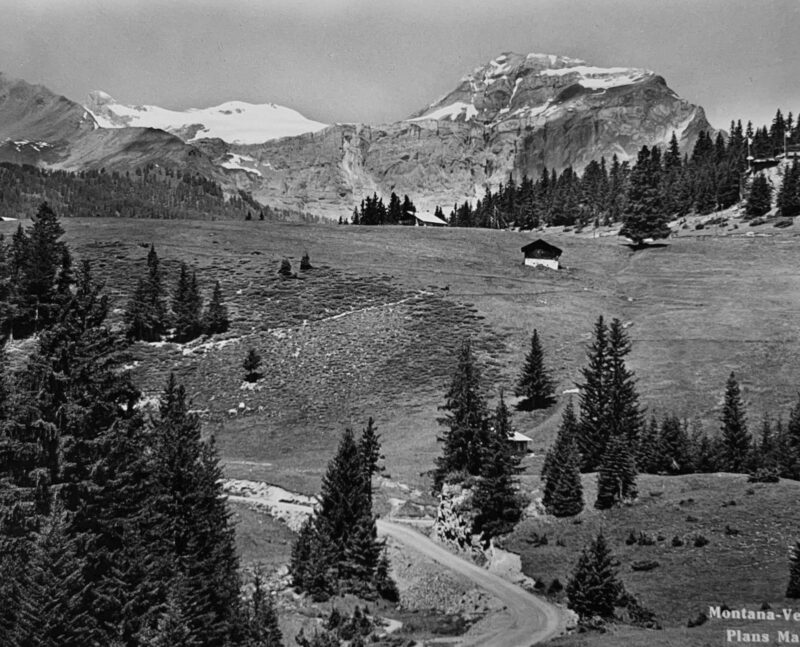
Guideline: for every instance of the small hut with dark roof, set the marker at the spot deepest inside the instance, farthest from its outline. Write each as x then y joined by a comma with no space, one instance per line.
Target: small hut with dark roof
540,252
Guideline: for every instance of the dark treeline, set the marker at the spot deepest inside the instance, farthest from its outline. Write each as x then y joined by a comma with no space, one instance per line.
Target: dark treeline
374,212
662,184
665,183
114,528
145,192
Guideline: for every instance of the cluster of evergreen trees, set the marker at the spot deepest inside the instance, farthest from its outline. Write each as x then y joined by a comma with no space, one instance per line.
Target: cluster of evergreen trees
374,212
770,141
604,436
475,444
673,447
148,191
147,317
337,550
660,185
113,527
609,436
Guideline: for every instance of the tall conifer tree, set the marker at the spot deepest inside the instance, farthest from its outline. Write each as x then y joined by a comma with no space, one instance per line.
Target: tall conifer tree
593,589
496,497
466,420
535,384
735,437
215,319
593,431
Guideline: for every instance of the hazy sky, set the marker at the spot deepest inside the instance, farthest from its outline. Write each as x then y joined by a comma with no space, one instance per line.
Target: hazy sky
380,60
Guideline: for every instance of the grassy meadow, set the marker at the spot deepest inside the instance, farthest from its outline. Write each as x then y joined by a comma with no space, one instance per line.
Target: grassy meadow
373,328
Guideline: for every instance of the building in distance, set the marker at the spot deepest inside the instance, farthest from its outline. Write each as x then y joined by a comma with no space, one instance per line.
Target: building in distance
541,253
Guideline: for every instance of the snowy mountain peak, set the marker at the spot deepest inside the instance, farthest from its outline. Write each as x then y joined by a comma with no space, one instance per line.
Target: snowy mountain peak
236,122
514,83
98,97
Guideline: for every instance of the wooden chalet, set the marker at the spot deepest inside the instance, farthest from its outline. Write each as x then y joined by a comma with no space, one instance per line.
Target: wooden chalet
541,253
521,443
426,219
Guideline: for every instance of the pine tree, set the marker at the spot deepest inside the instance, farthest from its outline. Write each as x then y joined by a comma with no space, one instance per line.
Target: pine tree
146,314
535,384
305,262
594,589
54,610
567,495
370,448
496,499
262,628
215,319
674,453
593,430
187,306
624,417
466,420
645,217
337,550
285,268
251,365
198,544
788,202
616,480
759,199
793,588
384,585
35,306
735,437
563,491
648,451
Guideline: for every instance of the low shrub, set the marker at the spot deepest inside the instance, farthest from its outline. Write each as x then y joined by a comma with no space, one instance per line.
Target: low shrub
700,619
764,475
645,565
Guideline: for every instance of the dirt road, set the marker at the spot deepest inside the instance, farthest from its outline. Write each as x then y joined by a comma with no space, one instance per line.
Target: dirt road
532,619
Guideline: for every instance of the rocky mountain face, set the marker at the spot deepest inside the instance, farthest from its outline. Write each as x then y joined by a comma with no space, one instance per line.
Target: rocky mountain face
515,115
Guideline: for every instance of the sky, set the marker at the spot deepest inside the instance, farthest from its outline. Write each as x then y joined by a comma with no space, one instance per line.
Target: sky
378,61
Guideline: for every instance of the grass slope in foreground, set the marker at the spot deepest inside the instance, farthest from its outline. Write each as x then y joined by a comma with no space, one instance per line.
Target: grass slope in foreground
749,528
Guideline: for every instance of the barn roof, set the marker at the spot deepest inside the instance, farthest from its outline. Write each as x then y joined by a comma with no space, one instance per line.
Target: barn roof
543,246
429,218
519,438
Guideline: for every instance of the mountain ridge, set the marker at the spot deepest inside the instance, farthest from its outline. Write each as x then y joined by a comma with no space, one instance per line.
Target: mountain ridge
515,115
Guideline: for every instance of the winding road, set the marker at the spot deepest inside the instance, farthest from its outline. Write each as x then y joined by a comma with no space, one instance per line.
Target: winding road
532,619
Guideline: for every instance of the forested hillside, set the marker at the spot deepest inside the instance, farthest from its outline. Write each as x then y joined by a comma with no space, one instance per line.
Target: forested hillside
146,192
